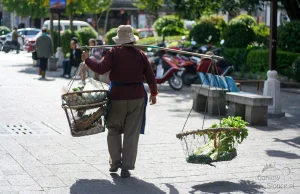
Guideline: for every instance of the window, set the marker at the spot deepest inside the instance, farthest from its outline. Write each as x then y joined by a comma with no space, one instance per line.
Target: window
21,32
56,28
32,32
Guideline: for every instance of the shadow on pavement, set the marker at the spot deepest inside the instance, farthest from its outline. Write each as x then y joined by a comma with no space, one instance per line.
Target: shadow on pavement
130,185
295,142
282,154
244,186
34,71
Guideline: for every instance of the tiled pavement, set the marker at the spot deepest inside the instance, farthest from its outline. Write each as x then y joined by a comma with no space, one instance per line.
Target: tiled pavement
48,160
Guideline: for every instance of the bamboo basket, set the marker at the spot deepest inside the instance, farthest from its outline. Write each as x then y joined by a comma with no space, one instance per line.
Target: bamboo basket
85,111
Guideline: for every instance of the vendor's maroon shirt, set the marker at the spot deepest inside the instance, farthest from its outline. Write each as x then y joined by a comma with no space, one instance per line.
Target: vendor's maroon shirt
128,66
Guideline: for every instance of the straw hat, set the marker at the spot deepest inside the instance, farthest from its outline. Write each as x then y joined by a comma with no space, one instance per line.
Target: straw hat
125,35
208,53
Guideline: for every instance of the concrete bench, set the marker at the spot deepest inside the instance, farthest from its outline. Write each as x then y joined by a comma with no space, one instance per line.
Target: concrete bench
215,98
252,108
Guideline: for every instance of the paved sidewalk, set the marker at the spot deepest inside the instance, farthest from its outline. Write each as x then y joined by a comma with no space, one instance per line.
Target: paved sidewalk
42,158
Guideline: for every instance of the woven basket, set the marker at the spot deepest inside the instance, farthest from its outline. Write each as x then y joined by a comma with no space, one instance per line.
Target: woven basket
85,111
197,143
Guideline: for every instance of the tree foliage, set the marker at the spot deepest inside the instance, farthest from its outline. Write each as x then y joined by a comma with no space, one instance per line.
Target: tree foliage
25,8
151,6
191,9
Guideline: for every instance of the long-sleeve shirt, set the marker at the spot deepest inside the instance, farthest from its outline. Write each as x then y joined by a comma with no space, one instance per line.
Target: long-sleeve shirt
129,67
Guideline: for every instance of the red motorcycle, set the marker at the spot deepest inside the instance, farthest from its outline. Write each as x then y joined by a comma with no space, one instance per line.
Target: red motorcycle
166,70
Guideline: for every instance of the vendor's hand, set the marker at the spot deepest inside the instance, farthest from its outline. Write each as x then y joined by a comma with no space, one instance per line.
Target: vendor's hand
85,55
152,100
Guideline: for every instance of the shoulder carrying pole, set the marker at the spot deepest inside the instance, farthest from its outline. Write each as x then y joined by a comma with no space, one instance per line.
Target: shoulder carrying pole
155,47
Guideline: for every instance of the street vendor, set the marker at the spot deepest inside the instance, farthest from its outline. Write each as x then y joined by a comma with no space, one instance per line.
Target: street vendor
128,67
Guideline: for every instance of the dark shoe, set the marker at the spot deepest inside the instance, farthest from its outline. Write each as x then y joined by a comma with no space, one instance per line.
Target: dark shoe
125,173
114,168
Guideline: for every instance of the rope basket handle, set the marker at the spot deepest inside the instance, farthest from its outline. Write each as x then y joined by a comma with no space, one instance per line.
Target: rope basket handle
209,130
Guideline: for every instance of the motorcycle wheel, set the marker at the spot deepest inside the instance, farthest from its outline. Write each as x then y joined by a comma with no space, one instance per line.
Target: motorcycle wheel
6,50
186,78
175,82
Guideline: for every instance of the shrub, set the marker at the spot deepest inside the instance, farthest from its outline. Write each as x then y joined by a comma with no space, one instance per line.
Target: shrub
112,33
55,40
157,39
171,30
296,68
85,35
238,36
245,19
262,33
169,21
205,33
258,60
216,20
66,38
289,36
236,57
4,30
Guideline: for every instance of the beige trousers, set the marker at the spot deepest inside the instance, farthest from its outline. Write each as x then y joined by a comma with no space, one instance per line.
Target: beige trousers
126,116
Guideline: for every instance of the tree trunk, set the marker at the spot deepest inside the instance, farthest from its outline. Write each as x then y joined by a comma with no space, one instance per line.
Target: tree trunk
71,21
292,9
98,21
51,29
105,25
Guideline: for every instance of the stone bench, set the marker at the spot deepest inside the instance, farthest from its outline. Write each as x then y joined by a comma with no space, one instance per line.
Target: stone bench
252,108
215,98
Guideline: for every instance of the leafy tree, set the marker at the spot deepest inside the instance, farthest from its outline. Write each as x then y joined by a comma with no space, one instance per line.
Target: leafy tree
190,9
86,6
25,8
152,6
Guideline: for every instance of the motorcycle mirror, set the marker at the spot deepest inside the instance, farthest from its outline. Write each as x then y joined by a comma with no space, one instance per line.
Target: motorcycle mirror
193,43
149,49
183,37
222,41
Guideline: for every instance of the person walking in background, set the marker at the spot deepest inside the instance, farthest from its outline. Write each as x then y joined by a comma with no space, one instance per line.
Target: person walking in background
15,37
44,50
95,54
128,67
74,59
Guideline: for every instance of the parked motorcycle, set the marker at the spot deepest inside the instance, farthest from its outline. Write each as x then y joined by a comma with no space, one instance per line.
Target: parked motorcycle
166,70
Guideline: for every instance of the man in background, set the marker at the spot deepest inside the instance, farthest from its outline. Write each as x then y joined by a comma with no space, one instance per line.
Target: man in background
15,37
44,49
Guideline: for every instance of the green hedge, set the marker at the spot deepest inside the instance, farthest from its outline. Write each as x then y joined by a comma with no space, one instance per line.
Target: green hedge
173,26
245,19
66,38
236,57
262,33
85,35
112,33
4,30
258,60
289,36
296,69
238,36
204,33
157,39
216,20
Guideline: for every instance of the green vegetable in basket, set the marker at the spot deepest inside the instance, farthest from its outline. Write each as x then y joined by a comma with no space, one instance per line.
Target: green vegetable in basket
214,155
226,155
207,149
76,89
